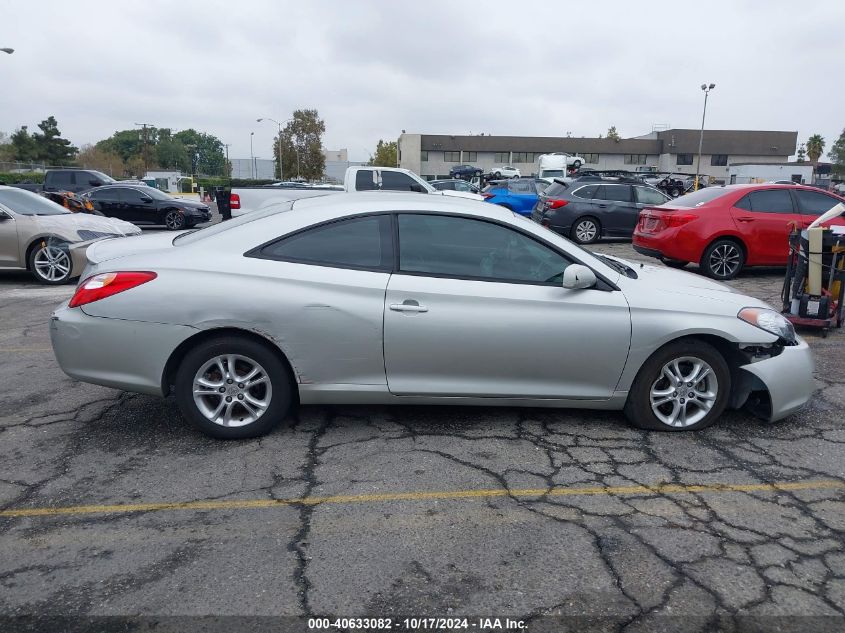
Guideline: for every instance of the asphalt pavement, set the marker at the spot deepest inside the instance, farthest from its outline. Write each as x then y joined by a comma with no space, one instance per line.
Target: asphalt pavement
110,505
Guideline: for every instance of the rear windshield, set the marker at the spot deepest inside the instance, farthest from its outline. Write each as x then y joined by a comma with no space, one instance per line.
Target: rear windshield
702,196
199,234
555,189
495,185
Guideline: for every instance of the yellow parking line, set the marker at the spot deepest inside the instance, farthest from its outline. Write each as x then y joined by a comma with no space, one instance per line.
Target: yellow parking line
249,504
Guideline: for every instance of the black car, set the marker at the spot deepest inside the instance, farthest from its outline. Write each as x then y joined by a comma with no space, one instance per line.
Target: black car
465,171
455,184
587,210
144,205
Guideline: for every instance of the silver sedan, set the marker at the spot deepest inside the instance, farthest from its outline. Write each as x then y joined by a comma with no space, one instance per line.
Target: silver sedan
389,298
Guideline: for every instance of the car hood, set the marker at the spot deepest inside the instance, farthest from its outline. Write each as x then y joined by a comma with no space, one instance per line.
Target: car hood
461,194
67,225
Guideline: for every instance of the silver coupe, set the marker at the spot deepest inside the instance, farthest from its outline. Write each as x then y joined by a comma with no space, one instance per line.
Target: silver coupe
396,298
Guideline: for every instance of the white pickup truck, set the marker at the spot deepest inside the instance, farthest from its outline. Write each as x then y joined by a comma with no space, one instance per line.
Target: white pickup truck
362,178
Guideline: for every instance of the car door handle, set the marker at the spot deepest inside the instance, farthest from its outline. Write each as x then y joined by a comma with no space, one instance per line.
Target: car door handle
744,218
408,305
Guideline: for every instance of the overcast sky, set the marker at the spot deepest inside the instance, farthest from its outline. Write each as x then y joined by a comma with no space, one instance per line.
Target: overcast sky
373,69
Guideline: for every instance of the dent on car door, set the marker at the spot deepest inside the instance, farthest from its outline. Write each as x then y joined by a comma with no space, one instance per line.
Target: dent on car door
477,309
320,294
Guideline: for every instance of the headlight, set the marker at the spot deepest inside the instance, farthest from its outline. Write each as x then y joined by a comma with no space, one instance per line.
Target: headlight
770,321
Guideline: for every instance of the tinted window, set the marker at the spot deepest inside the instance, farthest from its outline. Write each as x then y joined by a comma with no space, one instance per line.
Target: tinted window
397,181
84,178
27,203
521,186
588,192
132,196
647,195
444,186
814,203
700,197
619,193
61,178
462,247
555,190
365,180
101,194
769,201
355,243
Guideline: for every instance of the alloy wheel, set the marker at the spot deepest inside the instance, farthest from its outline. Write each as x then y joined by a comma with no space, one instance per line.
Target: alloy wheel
724,260
684,392
232,390
586,231
174,220
52,263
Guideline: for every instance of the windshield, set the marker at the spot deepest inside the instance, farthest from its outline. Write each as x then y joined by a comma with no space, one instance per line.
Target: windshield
199,234
102,176
25,202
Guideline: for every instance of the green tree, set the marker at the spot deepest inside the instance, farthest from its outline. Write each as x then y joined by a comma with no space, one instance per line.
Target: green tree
7,150
386,154
51,147
302,146
171,153
815,148
837,153
208,156
802,153
126,143
24,147
613,134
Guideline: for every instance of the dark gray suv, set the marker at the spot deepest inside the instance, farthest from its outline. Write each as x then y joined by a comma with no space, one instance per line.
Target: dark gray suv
586,211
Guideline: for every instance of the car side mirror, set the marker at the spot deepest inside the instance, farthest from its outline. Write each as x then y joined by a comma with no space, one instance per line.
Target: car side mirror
578,277
417,188
146,199
94,183
4,216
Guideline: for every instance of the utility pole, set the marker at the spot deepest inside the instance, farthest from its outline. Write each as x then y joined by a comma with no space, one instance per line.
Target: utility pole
251,156
228,169
145,153
706,90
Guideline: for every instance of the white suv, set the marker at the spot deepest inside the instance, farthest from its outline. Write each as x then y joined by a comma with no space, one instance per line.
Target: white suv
506,171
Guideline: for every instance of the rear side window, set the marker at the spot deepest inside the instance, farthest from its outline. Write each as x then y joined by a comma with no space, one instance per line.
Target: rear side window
363,242
365,180
814,203
768,201
588,192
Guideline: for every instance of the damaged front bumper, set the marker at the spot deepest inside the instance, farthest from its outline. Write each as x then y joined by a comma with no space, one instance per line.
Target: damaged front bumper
778,385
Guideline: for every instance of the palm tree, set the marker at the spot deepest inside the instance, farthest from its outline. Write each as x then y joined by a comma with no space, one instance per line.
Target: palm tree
815,148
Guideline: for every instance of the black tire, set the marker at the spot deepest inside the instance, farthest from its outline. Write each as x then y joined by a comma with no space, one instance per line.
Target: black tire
674,263
174,220
50,263
638,408
723,259
281,395
675,191
581,234
576,164
498,174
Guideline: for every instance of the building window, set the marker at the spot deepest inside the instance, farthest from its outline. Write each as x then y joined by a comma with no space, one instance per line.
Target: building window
635,159
502,157
719,160
685,159
470,157
592,159
424,156
525,157
451,157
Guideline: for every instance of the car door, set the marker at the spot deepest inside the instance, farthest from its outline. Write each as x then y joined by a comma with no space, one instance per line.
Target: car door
106,201
138,208
10,255
477,309
764,219
812,204
621,213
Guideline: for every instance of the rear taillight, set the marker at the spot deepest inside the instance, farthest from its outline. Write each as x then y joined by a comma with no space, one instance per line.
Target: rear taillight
556,204
234,201
107,284
672,220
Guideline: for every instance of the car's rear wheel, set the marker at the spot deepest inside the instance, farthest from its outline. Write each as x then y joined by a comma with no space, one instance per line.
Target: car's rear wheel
576,164
586,230
684,386
498,174
233,387
50,263
174,220
723,260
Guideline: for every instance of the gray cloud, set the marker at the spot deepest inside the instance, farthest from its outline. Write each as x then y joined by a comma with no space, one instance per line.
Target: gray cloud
375,68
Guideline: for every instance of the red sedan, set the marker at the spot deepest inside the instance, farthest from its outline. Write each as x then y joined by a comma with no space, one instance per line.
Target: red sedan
726,228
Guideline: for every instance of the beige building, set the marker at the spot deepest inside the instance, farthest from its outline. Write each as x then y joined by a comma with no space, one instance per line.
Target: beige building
675,150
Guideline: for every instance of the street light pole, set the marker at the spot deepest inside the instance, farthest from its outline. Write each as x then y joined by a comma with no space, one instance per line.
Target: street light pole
706,90
281,172
251,157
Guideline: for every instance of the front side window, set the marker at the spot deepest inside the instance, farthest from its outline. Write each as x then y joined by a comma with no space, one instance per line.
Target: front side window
814,203
363,243
767,201
451,157
685,159
397,181
132,196
647,195
474,249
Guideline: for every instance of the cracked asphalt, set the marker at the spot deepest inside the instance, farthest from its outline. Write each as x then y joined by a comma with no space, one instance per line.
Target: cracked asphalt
689,556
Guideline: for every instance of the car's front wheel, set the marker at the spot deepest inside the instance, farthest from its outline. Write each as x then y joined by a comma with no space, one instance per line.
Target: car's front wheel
723,260
498,174
50,263
576,164
174,220
684,386
233,387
